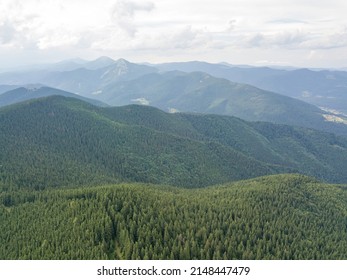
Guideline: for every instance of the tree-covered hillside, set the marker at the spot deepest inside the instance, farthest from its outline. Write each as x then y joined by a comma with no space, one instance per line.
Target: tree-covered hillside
60,141
324,88
68,173
202,93
275,217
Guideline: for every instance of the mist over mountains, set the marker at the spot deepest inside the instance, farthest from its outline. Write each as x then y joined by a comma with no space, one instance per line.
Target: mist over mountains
313,99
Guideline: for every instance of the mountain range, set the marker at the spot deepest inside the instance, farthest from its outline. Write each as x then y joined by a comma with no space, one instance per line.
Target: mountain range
20,94
57,141
202,93
81,179
121,82
323,88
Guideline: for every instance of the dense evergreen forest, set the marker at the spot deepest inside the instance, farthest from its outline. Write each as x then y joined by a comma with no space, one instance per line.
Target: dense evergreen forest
274,217
59,141
83,182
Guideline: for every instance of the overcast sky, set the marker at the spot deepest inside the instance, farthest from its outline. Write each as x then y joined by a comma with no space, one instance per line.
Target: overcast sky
305,33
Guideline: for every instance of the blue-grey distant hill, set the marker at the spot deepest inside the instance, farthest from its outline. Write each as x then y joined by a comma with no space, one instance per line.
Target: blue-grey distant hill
36,91
202,93
324,88
4,88
120,82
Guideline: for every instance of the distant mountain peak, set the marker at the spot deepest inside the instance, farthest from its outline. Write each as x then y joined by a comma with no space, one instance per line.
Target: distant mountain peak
119,68
122,60
101,62
104,59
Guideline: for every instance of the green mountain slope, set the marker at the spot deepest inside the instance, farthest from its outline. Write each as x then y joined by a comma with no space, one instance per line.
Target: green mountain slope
324,88
202,93
275,217
59,141
297,149
62,141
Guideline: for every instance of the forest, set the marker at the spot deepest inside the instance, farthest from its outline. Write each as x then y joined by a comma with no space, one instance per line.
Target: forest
83,182
271,217
59,141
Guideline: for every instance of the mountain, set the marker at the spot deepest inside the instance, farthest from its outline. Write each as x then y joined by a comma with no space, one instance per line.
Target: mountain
282,217
77,182
86,79
60,141
90,82
21,94
100,62
295,149
122,82
4,88
20,78
66,65
202,93
323,88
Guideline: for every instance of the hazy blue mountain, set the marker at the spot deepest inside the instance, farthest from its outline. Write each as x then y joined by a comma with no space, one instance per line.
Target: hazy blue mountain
21,78
83,78
100,62
324,88
37,91
90,82
4,88
66,65
122,82
202,93
73,64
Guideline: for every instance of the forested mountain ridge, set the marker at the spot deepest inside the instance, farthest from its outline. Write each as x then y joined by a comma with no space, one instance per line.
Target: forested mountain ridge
273,217
59,141
202,93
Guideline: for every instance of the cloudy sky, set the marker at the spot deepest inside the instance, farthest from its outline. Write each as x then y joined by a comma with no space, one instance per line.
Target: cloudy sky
305,33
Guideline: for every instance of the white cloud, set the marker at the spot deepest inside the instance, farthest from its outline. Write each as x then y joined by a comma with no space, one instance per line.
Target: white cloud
333,40
124,11
7,32
286,39
226,30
